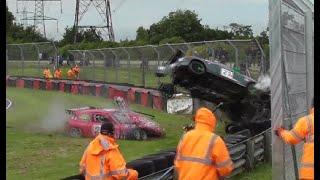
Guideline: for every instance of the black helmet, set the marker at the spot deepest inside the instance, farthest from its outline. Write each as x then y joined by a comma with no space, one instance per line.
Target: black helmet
107,129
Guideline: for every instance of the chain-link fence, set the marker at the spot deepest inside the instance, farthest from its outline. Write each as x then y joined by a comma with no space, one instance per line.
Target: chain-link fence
137,65
29,59
292,55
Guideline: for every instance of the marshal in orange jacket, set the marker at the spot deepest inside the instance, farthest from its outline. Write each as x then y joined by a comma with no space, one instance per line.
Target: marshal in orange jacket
303,130
47,73
102,160
201,154
70,74
57,74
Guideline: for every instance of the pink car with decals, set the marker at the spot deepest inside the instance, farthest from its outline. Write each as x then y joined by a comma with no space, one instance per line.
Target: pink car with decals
86,122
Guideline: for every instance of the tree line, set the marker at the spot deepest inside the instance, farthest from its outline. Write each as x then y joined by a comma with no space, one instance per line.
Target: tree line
178,26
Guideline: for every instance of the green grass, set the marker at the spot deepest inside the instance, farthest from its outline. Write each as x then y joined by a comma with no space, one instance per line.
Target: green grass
35,154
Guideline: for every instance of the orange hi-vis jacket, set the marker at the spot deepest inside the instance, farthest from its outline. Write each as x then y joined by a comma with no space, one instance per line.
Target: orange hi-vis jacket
47,73
70,74
201,154
102,160
57,74
303,130
76,70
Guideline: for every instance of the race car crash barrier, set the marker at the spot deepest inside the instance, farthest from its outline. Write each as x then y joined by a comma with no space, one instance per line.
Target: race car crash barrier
246,155
146,97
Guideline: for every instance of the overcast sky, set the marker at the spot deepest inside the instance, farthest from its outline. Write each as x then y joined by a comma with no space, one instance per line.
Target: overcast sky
128,15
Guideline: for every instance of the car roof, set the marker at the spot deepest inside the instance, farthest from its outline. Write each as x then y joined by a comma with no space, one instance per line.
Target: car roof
95,110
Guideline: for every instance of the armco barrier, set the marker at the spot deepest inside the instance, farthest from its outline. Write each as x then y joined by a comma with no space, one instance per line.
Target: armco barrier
146,97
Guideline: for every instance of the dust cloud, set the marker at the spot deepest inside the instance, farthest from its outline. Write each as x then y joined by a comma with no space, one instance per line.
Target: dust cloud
55,119
263,83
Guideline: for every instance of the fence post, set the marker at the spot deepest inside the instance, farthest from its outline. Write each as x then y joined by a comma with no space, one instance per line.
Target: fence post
128,64
93,65
250,154
158,60
236,53
262,58
22,58
38,53
104,65
115,64
267,146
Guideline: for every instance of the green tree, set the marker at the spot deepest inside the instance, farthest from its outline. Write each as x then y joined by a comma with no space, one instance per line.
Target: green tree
142,34
9,20
185,24
241,31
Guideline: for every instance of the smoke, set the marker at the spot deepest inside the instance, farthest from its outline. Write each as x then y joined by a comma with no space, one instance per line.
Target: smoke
263,83
55,119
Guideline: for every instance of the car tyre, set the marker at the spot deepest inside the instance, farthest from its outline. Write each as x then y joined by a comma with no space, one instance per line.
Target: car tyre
75,132
197,67
136,134
143,135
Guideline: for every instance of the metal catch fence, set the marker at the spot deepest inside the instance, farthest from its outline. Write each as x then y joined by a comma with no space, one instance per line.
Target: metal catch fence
134,65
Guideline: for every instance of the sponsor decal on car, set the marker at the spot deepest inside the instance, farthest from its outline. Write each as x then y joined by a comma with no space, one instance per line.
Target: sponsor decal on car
226,73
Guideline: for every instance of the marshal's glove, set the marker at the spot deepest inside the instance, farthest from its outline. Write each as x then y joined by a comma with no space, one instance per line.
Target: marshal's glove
278,130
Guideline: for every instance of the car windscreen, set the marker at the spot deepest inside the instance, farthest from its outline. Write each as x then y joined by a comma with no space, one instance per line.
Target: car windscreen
122,117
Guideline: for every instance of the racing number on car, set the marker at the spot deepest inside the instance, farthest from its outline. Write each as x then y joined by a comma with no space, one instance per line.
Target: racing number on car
96,129
226,73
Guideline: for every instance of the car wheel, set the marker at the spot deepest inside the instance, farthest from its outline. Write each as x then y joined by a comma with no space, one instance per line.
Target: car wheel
197,67
136,134
143,135
75,132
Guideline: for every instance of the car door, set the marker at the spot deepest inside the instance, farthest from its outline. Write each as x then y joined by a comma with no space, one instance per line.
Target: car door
84,122
97,120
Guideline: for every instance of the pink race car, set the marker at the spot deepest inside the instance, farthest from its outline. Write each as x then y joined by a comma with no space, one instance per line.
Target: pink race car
86,122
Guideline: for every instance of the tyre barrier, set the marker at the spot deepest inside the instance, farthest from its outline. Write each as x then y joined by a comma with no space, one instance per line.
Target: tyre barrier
246,154
146,97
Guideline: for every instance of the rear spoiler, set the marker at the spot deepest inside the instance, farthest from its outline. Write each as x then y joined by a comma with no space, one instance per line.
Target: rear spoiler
73,110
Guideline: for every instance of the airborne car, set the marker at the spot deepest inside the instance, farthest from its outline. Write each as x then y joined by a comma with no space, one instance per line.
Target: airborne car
86,122
246,106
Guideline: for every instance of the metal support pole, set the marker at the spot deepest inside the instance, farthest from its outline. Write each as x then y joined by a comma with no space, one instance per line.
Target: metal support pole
128,64
262,58
116,58
104,65
93,65
143,69
158,60
38,53
22,58
56,54
236,53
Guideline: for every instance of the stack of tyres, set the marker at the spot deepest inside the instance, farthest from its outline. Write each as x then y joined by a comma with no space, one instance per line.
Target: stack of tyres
75,87
20,83
55,85
28,82
12,81
92,89
144,167
99,89
237,153
62,84
84,90
36,84
159,163
42,83
67,86
259,148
